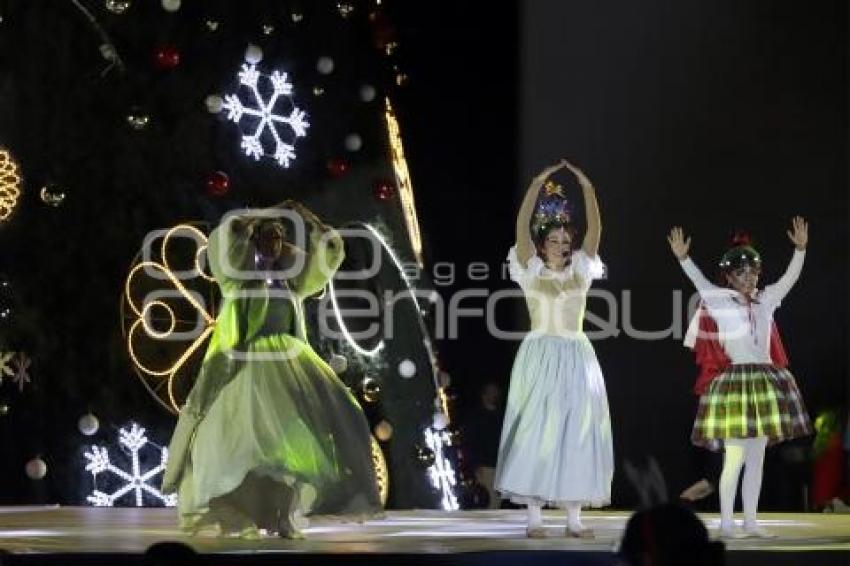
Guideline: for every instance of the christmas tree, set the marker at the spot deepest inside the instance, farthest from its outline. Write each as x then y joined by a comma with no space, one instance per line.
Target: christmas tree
128,123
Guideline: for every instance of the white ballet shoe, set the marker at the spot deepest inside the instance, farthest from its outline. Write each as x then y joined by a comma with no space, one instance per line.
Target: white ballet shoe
754,531
579,532
729,532
536,531
248,533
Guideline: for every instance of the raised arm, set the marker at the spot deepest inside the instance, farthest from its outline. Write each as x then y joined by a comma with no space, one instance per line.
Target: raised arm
680,246
230,251
310,217
524,243
799,235
306,214
590,245
325,252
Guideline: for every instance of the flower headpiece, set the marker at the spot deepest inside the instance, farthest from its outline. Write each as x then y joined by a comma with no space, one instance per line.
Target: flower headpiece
552,208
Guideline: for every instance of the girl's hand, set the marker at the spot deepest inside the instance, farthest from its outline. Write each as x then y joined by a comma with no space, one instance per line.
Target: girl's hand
579,174
800,233
548,171
678,244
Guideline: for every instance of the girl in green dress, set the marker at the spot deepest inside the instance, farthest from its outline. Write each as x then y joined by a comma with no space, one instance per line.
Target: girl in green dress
269,433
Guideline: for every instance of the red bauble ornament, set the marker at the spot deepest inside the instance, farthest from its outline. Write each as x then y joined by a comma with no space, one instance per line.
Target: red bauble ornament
337,167
166,57
384,190
218,184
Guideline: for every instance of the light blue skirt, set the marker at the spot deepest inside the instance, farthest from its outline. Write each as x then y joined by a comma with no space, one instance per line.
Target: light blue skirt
556,446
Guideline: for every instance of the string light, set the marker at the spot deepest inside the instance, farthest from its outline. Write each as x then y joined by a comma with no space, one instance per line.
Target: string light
405,186
441,472
141,326
10,184
382,473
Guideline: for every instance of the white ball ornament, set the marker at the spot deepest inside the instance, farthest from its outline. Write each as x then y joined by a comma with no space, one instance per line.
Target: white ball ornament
353,142
407,369
214,103
253,54
367,93
171,5
325,65
88,424
36,468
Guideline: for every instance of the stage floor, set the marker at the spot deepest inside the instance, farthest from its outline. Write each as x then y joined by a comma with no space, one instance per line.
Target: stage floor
127,530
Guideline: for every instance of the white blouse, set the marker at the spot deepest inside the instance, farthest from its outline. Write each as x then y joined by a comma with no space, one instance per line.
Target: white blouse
744,326
556,299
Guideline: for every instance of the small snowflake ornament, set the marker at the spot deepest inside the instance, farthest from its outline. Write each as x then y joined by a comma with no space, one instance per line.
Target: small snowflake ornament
275,119
21,376
441,473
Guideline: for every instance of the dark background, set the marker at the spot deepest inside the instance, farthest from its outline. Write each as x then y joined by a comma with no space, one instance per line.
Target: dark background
713,116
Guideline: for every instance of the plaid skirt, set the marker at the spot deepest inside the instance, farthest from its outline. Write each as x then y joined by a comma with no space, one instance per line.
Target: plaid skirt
748,401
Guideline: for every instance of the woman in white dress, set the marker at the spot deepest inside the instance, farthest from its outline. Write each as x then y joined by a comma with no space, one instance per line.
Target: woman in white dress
556,443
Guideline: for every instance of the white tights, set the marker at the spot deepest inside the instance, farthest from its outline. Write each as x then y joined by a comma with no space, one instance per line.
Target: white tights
535,517
740,452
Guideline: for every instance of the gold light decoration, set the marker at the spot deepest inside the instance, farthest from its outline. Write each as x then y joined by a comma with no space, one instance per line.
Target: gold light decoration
381,472
443,403
405,186
10,184
166,358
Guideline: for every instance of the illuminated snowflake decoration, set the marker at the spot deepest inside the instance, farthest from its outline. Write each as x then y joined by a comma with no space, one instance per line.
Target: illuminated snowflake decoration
265,118
22,376
441,473
131,442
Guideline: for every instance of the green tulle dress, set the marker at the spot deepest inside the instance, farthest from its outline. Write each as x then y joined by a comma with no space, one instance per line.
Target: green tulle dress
267,419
